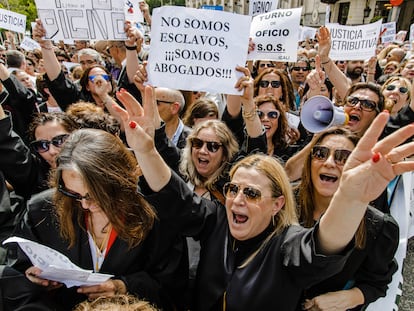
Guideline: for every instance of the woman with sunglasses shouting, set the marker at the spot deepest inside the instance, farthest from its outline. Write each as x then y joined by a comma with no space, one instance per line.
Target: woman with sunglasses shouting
254,256
370,267
397,93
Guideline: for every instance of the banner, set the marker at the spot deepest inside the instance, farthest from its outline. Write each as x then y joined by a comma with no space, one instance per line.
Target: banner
12,21
82,19
276,35
257,7
29,44
197,50
353,42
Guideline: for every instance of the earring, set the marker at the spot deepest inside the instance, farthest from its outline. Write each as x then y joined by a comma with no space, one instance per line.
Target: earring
273,221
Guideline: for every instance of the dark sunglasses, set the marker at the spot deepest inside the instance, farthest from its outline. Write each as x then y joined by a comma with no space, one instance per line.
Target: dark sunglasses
402,89
366,104
251,194
340,62
264,83
104,76
274,114
266,65
43,145
297,68
322,153
212,146
73,195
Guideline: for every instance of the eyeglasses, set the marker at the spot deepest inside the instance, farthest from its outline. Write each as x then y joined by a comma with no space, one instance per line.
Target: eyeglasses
274,114
212,146
87,62
275,84
269,65
159,101
340,62
300,68
322,153
73,195
43,145
401,89
366,104
104,76
251,194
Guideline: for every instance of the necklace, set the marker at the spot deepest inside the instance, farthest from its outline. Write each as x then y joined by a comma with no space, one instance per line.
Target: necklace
100,250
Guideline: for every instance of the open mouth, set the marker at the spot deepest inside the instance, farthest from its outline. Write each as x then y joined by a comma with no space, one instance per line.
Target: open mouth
328,178
354,118
239,218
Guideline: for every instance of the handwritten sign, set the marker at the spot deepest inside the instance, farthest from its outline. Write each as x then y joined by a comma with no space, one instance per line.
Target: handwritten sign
12,21
197,50
390,31
257,7
29,44
82,19
353,42
276,35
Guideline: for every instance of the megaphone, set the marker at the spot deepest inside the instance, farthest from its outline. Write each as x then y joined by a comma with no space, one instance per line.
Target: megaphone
319,113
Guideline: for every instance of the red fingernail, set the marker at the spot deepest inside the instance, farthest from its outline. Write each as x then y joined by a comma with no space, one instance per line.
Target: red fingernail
376,157
132,124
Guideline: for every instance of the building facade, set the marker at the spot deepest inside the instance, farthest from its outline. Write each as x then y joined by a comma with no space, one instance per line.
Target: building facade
346,12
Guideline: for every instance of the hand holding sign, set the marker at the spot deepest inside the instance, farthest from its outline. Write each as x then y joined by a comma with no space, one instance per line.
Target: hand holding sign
39,32
141,76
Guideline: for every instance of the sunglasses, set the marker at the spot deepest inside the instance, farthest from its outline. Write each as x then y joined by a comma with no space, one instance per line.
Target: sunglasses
43,145
402,89
340,62
275,84
322,153
159,101
266,65
251,194
104,76
212,146
73,195
300,68
274,114
366,104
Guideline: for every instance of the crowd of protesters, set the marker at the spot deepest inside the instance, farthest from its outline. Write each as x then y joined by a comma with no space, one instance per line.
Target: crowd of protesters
195,200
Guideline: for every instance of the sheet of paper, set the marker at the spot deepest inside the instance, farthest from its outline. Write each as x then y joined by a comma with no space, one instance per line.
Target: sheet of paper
56,266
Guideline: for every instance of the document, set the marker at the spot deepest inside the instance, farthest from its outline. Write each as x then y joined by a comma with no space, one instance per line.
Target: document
56,266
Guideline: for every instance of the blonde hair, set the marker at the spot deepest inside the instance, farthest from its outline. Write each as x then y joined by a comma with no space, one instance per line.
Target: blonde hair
279,185
115,303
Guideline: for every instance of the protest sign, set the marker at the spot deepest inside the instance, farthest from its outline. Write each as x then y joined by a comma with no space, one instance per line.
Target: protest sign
257,7
400,36
82,19
29,44
197,50
411,33
327,14
133,12
276,35
353,42
12,21
306,33
389,34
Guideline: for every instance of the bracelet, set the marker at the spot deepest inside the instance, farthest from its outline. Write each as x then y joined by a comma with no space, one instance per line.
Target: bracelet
324,63
47,48
249,115
370,73
131,48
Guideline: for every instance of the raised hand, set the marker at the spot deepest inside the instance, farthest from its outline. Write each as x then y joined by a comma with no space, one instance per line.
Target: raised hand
141,76
324,43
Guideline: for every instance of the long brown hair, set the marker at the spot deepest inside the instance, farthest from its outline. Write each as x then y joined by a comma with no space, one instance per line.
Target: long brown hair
109,172
306,200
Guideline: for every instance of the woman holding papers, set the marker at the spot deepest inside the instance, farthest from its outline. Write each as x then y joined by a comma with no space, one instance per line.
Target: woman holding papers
253,255
95,216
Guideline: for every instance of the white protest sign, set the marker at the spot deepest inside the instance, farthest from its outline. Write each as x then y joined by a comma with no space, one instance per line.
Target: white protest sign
275,35
411,33
257,7
389,34
400,36
353,42
327,14
29,44
306,33
12,21
197,50
82,19
133,12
